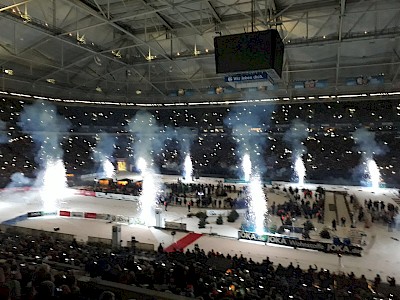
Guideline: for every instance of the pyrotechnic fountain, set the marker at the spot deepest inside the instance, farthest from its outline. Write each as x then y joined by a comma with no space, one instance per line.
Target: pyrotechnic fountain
102,154
54,185
108,168
47,128
257,204
368,148
250,143
149,140
188,169
295,136
300,169
150,189
373,173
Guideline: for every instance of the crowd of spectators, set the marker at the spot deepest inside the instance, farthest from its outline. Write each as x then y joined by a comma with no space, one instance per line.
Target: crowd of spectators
331,151
42,267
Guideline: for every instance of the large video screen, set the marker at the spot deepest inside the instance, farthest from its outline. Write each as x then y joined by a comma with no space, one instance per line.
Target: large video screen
253,51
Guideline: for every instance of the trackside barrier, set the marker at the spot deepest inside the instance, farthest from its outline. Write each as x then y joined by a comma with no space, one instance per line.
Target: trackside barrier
141,246
116,196
98,240
36,232
89,215
17,189
107,195
64,213
77,214
125,291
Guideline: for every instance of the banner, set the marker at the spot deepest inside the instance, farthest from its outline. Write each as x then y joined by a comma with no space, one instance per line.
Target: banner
175,225
122,219
216,212
77,214
64,213
103,216
117,196
305,244
87,193
90,215
34,214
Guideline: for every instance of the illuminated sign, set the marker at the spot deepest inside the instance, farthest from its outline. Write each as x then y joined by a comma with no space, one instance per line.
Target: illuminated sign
121,165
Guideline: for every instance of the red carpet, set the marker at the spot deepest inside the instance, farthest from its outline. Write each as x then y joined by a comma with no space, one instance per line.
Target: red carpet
183,242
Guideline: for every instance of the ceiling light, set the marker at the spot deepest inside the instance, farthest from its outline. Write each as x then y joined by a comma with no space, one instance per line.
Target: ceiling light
51,80
138,92
150,57
219,90
80,39
26,18
196,52
206,50
116,53
181,92
98,89
178,53
9,72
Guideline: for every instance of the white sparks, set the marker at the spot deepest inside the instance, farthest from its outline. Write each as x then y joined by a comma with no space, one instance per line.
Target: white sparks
108,168
246,166
54,185
188,169
258,204
374,174
150,191
300,169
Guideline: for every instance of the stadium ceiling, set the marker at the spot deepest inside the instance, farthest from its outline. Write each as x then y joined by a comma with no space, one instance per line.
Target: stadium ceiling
150,51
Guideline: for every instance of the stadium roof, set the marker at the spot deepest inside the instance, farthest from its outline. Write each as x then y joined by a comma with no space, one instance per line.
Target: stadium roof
150,51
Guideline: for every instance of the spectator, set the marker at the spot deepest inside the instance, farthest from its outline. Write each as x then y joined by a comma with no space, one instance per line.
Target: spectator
107,295
334,224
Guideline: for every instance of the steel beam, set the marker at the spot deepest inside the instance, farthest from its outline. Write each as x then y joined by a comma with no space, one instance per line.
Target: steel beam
159,16
112,23
213,12
14,5
17,20
339,45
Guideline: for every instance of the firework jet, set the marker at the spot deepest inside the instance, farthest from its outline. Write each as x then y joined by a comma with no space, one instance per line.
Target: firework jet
250,144
246,166
102,154
258,204
367,145
184,137
148,142
295,137
188,169
300,170
46,128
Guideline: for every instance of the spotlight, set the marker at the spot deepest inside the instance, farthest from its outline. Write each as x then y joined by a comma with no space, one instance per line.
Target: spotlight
8,72
116,53
219,90
80,39
27,18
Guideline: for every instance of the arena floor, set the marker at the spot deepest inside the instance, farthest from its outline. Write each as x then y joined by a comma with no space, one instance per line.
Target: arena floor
380,255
